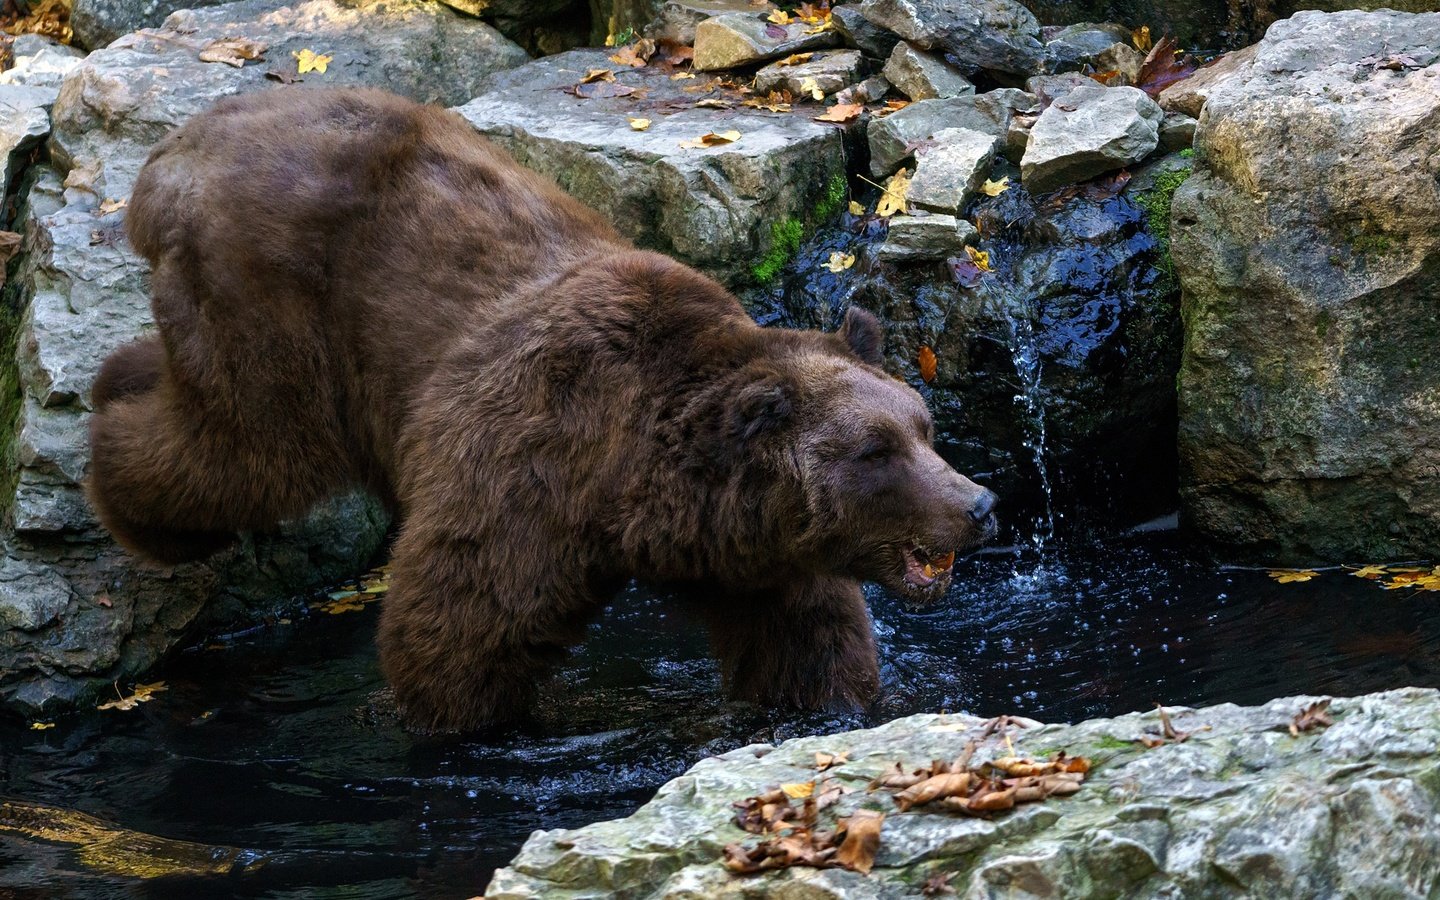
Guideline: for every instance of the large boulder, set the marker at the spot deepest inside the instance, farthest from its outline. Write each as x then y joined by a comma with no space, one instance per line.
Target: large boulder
736,210
1241,808
1092,130
996,36
75,611
98,22
1308,246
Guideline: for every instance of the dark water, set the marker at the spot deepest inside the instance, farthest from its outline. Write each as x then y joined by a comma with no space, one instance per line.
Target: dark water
271,744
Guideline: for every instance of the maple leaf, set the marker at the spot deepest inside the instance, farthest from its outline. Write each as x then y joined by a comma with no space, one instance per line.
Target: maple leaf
995,188
841,113
713,139
1162,68
1315,715
862,839
1140,37
598,75
813,12
928,364
234,51
856,209
1290,576
308,60
778,17
840,261
809,85
895,198
1370,572
980,258
141,694
639,124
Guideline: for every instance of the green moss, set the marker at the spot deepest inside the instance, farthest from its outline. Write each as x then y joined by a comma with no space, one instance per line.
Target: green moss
836,193
785,237
1187,153
1110,742
1156,205
1377,244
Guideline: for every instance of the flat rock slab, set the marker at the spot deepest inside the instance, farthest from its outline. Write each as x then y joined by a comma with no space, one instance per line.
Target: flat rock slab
746,39
1089,131
924,76
951,169
1241,808
997,36
826,72
893,138
924,237
716,208
81,291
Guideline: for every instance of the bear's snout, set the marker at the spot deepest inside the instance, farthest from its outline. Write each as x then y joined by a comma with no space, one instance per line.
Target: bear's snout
984,506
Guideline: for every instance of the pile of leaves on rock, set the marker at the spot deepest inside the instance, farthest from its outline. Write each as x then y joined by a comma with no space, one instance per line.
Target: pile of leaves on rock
789,820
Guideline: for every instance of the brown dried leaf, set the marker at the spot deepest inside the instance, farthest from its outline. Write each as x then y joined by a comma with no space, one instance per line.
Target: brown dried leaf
634,55
1316,715
825,761
9,245
713,139
598,75
1163,67
232,51
600,90
929,365
862,839
842,113
934,788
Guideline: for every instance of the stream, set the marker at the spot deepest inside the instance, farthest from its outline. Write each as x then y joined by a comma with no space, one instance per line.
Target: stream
273,751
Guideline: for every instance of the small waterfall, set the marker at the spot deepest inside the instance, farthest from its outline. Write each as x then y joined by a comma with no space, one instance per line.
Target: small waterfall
1025,355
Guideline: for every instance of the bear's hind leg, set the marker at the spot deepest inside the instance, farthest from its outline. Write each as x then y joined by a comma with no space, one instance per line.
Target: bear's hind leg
808,644
133,368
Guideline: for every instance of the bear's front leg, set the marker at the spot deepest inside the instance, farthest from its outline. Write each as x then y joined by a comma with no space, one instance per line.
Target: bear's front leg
807,644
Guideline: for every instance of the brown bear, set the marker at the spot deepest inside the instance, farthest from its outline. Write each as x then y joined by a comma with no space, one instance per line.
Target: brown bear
352,290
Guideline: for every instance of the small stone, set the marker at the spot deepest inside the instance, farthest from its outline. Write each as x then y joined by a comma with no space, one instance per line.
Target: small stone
859,32
1091,131
1121,58
928,237
1076,46
1050,88
999,36
1177,131
948,173
677,19
924,76
745,39
830,72
867,91
893,137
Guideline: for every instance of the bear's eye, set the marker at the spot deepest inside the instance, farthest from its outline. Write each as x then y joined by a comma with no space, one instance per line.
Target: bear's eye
874,451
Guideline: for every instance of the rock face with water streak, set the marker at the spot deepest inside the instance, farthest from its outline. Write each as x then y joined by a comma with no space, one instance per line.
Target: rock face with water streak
1308,246
1241,808
75,611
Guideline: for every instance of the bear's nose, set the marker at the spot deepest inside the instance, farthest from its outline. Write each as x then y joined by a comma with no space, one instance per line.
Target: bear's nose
984,506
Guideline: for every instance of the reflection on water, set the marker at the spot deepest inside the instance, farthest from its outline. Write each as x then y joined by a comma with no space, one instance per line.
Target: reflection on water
273,748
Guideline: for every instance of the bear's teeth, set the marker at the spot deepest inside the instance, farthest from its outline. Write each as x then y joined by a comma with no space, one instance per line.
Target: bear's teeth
929,571
946,561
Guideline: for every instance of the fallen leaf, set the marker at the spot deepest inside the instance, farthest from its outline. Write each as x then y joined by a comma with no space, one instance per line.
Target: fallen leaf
41,726
674,54
842,113
1106,187
980,258
776,32
840,261
995,188
793,59
308,60
714,103
825,761
109,206
894,199
600,90
1140,37
1315,715
827,25
964,271
639,124
862,839
713,139
682,76
598,75
1370,572
813,12
233,51
104,600
285,74
1290,576
856,209
928,364
775,101
799,790
1106,77
141,694
809,85
1163,67
634,55
778,17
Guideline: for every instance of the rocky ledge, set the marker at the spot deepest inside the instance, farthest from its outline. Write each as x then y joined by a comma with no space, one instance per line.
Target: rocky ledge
1239,805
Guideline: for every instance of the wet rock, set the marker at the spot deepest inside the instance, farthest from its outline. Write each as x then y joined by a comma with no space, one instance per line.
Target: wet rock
745,39
98,22
893,137
1312,214
677,19
727,209
924,76
1241,807
1050,88
1076,46
862,34
1187,97
24,124
868,91
924,237
1091,130
825,72
1177,131
78,291
948,172
997,36
40,61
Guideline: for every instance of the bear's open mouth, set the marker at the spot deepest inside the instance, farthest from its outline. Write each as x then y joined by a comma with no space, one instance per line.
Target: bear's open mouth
923,567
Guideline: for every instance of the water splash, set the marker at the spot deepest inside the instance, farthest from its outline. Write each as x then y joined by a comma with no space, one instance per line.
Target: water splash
1025,356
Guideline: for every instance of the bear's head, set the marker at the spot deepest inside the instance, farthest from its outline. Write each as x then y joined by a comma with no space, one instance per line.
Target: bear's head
855,446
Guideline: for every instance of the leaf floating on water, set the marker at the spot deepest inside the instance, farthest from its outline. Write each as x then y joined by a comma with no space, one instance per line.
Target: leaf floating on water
143,693
842,113
928,364
41,726
1291,576
1419,579
895,199
1373,573
308,60
713,139
840,261
995,188
1316,715
233,51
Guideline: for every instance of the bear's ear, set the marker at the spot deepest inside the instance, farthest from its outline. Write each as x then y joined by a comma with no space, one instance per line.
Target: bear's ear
861,333
763,405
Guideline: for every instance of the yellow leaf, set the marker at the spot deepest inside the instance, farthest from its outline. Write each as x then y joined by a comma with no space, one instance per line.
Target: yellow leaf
41,726
894,200
810,86
842,113
682,76
996,188
794,59
980,258
856,209
598,75
1141,38
141,694
1287,576
308,60
827,25
1369,572
779,17
639,124
713,139
840,261
799,790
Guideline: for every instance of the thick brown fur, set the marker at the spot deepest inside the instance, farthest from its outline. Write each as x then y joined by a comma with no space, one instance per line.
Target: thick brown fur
352,289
